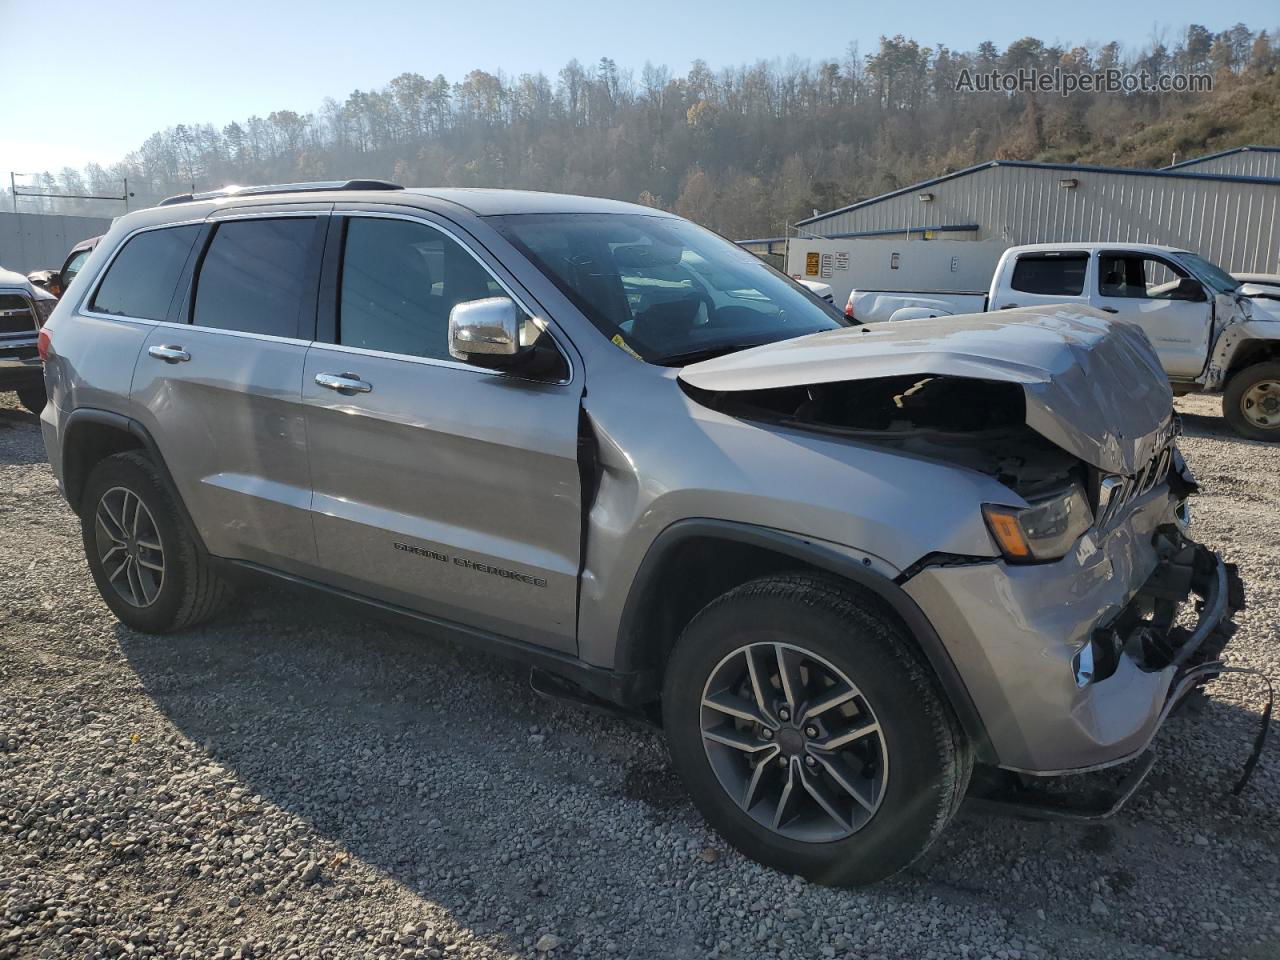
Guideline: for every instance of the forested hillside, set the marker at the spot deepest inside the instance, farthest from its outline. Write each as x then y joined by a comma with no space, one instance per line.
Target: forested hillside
745,149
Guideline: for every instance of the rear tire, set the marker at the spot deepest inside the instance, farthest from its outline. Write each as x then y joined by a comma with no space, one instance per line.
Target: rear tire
1251,402
911,779
33,398
147,566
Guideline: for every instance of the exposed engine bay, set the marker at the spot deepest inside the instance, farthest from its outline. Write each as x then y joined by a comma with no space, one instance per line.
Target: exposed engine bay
979,424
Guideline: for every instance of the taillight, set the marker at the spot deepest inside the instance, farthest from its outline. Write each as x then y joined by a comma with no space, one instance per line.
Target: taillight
848,309
43,343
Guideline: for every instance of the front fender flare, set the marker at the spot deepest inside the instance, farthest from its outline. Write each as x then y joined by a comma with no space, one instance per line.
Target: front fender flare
633,645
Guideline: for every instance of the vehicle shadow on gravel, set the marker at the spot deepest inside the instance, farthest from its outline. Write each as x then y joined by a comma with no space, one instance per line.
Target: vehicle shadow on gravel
1209,425
420,757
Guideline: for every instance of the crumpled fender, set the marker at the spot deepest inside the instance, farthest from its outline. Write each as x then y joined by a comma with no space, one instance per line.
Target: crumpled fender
1233,332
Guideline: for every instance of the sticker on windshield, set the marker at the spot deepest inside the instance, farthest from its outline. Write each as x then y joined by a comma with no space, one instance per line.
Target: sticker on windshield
617,341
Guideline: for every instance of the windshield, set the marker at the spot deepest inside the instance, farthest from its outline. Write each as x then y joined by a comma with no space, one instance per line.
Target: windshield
666,289
1210,273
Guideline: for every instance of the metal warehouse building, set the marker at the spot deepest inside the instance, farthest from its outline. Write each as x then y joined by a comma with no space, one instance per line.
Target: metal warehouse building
1228,217
1240,162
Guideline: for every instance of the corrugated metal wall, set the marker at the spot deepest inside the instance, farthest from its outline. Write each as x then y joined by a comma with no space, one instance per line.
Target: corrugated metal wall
39,241
1230,223
1242,163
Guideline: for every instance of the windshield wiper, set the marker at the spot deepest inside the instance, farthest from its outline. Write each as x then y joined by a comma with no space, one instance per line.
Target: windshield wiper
707,353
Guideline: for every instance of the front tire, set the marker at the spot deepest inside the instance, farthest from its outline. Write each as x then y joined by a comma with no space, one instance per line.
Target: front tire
1251,402
147,566
810,732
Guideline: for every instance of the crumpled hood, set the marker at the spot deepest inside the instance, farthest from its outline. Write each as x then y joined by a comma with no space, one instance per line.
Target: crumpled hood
1264,306
1093,387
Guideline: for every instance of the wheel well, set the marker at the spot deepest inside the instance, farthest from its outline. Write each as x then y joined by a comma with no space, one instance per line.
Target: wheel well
694,572
86,445
694,561
1254,351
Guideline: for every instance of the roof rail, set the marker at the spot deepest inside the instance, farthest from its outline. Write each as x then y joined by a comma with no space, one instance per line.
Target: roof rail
314,185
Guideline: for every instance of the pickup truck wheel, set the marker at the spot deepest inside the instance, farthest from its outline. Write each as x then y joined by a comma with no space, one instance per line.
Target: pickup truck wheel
1251,402
33,398
147,567
810,733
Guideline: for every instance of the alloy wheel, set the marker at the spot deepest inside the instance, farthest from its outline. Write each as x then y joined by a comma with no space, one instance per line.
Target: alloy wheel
794,742
129,547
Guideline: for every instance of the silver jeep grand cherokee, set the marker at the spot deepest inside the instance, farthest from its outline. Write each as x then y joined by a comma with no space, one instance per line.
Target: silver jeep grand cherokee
856,573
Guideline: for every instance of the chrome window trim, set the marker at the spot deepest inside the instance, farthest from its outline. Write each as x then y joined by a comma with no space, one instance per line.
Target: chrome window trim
212,218
83,309
409,358
542,323
243,334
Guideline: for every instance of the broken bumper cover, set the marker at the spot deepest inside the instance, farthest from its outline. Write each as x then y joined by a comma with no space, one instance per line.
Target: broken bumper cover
1074,665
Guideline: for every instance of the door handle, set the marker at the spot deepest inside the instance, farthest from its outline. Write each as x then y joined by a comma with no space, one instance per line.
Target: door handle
1008,306
343,382
1108,309
169,354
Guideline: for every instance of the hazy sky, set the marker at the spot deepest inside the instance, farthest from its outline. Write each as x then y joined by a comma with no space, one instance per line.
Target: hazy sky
91,79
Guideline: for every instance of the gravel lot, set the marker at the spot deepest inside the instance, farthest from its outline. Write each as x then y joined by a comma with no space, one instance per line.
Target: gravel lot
296,780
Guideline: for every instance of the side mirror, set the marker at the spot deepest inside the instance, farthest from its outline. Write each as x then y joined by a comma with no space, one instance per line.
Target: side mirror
1189,289
484,331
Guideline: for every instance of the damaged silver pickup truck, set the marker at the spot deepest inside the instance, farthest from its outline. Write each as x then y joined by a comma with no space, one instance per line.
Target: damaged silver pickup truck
858,573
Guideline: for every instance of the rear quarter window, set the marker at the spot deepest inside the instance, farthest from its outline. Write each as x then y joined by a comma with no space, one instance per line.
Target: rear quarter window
141,280
1053,275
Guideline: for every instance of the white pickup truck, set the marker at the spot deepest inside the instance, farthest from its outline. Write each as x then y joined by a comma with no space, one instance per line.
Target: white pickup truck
1212,332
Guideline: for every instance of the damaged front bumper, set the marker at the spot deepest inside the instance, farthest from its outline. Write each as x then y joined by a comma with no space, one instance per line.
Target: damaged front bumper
1074,665
1147,630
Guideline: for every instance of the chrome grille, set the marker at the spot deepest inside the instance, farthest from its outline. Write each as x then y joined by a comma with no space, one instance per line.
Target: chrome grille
16,316
1116,492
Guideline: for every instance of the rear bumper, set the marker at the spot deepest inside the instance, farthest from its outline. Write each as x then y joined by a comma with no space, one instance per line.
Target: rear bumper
19,372
1073,666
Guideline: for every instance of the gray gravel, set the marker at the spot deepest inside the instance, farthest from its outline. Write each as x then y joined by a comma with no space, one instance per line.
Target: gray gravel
297,780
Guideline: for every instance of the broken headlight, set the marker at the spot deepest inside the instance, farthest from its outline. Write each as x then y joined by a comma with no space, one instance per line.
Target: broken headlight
1044,530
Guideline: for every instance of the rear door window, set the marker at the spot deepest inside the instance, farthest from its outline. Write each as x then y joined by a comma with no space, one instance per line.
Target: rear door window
142,278
256,276
1050,274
